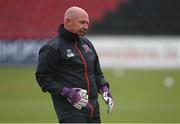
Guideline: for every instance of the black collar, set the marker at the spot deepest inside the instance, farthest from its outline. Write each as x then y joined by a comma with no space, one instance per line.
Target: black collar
67,35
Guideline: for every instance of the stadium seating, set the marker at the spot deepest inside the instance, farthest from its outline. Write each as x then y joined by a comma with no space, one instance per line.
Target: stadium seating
41,18
147,17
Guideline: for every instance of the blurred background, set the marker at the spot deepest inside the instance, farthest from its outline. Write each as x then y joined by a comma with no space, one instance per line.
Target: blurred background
137,42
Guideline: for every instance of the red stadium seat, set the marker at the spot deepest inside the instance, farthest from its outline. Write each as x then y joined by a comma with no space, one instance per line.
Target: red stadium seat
41,18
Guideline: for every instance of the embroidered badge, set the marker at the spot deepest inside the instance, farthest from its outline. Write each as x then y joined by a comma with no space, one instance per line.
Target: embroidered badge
86,48
69,53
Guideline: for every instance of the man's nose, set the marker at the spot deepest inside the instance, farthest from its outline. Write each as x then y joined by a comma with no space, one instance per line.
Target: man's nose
85,26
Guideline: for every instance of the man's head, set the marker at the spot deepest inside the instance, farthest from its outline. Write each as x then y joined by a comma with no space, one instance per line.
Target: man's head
76,20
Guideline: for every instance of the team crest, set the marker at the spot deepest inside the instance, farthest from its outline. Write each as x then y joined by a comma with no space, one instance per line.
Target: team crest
69,53
86,48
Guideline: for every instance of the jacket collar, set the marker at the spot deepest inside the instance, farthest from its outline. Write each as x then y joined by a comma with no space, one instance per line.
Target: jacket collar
67,35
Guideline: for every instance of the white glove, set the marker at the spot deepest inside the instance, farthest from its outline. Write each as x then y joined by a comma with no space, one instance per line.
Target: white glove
78,97
109,101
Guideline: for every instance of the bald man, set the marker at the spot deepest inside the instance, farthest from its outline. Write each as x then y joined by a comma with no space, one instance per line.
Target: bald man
68,68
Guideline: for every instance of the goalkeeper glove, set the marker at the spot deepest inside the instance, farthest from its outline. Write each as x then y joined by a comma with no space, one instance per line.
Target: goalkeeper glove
106,94
76,96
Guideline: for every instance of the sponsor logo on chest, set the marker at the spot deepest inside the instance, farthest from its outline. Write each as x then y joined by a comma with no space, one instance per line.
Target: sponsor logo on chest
69,53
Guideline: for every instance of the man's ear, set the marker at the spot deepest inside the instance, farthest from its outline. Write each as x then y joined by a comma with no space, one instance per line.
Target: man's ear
67,21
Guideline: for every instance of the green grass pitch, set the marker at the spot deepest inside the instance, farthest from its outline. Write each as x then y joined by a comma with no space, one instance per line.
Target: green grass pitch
139,96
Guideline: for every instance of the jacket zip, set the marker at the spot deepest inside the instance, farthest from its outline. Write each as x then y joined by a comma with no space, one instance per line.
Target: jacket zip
86,75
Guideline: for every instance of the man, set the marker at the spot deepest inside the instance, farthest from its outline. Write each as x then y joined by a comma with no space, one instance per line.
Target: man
68,68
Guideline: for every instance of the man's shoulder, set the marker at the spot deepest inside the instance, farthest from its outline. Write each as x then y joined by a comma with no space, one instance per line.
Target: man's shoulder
54,42
87,41
84,39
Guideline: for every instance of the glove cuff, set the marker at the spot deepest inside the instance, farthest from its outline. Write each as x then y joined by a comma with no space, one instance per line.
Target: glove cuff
104,89
65,91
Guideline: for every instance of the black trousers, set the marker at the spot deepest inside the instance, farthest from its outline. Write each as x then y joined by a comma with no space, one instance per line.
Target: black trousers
81,119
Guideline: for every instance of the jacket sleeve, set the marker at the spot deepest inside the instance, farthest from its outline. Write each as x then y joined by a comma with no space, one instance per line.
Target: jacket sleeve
46,71
99,77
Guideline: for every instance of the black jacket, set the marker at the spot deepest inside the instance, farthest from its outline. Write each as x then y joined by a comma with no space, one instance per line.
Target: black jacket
70,60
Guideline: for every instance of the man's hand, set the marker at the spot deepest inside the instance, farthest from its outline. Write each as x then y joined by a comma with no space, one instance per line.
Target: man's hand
109,101
77,97
107,98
